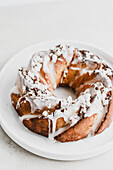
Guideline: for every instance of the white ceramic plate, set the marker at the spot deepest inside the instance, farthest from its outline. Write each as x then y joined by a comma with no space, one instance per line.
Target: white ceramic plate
37,144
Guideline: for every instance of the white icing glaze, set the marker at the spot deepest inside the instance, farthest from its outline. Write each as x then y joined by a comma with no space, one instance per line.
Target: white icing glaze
29,117
87,56
60,59
97,105
59,131
74,68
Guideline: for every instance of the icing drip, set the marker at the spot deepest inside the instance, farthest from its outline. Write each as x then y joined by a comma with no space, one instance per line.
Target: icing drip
25,117
60,59
74,68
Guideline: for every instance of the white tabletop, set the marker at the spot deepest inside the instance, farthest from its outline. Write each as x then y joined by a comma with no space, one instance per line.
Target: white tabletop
20,26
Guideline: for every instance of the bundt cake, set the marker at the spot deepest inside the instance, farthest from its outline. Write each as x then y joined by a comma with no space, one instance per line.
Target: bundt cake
64,120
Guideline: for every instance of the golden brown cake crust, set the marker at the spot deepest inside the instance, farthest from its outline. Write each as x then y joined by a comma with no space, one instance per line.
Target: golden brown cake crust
78,131
37,125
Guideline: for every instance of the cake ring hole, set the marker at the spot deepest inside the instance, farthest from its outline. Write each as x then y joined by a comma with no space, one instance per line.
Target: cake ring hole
64,92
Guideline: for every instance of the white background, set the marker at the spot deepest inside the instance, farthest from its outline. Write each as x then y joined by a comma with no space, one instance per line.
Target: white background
23,25
21,2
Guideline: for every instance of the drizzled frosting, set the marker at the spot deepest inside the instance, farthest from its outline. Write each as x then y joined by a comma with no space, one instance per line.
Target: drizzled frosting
35,89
